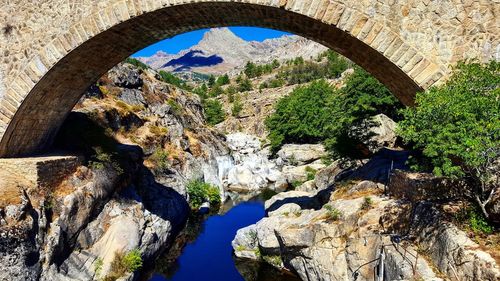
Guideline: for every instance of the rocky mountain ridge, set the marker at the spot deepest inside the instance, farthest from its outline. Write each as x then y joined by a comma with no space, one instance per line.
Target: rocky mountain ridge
220,51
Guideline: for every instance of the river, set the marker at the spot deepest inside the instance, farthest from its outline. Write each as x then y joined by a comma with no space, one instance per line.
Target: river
209,255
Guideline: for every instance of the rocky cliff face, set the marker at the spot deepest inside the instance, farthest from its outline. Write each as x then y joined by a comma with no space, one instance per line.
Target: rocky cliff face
350,231
140,142
221,51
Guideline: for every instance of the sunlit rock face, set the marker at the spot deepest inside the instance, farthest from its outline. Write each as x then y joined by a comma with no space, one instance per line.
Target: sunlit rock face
220,51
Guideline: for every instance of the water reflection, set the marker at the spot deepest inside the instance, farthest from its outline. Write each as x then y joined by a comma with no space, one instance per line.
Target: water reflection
204,250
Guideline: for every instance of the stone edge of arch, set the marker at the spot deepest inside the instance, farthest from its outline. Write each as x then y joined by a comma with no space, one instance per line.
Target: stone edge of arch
424,72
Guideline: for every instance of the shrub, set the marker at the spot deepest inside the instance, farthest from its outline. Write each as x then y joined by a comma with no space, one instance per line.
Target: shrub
223,80
123,263
273,260
336,64
311,173
296,183
214,114
201,91
98,263
457,126
478,222
175,106
200,192
237,106
367,203
169,78
332,213
159,159
137,63
216,91
245,85
133,260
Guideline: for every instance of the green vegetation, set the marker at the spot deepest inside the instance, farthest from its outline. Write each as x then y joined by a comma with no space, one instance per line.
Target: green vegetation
159,159
175,106
301,116
319,113
202,91
300,71
211,81
457,126
214,114
245,85
311,173
367,203
296,183
137,63
124,263
215,91
158,131
169,78
237,106
332,213
223,80
472,219
252,70
273,260
98,263
200,192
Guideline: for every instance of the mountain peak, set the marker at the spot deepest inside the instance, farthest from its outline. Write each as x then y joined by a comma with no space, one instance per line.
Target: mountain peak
222,34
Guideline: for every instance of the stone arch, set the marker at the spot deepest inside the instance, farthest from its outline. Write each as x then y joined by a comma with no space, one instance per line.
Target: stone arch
53,76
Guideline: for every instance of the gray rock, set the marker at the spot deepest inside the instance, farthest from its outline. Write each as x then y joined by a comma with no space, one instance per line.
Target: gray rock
132,96
327,176
245,243
126,76
377,132
300,154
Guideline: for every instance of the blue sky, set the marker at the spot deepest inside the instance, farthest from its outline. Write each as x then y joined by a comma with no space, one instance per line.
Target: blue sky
183,41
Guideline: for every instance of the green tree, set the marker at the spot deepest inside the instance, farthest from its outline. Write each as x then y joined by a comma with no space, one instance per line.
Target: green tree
362,97
301,116
336,64
214,113
202,91
275,64
170,78
211,81
223,80
216,91
245,85
250,69
457,126
237,106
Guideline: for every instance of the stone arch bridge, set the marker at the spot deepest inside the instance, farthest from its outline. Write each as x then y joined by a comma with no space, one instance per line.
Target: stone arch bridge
52,50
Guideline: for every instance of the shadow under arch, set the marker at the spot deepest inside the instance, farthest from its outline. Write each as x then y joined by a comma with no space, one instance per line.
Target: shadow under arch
36,121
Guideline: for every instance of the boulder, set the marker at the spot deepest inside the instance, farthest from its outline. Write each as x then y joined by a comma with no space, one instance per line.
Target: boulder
327,176
245,243
375,133
493,207
303,199
286,209
300,154
132,96
300,173
126,76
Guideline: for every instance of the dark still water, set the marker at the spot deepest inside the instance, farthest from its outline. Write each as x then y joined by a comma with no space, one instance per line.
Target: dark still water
209,257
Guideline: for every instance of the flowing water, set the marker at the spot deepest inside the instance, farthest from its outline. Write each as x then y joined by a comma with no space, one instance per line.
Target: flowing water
209,255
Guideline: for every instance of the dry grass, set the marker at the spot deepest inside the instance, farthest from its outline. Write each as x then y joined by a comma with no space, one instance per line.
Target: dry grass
194,144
